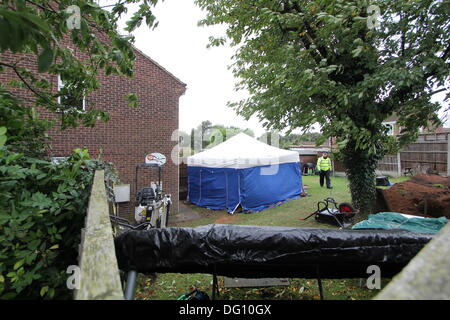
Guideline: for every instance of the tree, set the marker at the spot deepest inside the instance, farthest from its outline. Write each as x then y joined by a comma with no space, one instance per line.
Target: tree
24,130
42,204
221,133
205,126
333,62
38,27
292,139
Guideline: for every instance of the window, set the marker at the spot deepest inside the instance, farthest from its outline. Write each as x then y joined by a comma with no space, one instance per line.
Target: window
70,101
390,127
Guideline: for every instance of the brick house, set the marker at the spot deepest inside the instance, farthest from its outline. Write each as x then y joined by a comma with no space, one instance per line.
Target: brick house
395,128
131,133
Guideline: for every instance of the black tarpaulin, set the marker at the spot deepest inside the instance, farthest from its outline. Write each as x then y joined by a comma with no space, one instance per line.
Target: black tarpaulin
259,252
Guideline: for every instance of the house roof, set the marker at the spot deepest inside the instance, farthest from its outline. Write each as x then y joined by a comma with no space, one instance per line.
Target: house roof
310,151
159,66
310,145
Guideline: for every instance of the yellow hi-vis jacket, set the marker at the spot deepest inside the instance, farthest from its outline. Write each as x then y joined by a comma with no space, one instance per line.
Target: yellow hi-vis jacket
324,164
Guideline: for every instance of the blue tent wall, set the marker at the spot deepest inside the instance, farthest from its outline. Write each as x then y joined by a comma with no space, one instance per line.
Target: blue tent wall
260,191
213,188
225,188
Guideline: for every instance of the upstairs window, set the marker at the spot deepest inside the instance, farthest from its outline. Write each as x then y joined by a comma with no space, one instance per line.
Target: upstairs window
69,101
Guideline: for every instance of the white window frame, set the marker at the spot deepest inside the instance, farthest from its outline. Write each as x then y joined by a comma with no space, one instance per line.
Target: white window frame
61,85
392,127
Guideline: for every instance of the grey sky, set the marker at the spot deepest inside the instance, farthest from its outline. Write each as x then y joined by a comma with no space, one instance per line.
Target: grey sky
179,45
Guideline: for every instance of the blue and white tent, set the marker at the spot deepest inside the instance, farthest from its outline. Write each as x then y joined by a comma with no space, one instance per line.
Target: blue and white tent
243,171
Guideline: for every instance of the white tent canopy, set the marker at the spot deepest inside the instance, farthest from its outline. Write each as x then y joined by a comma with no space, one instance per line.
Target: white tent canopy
242,151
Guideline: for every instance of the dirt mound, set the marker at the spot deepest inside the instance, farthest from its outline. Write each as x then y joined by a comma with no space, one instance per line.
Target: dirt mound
424,195
427,179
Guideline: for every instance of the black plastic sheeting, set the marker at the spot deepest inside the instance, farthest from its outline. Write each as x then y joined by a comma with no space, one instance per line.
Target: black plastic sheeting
259,252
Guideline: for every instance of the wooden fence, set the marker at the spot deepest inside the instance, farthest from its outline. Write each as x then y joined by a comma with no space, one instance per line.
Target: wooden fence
429,153
99,272
390,165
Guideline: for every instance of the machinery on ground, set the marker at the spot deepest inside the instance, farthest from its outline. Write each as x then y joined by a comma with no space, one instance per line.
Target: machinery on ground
328,211
152,206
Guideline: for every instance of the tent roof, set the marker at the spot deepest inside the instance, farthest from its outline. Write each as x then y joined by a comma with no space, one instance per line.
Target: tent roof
242,151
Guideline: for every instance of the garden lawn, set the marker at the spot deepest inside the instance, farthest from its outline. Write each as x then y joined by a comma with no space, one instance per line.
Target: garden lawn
170,286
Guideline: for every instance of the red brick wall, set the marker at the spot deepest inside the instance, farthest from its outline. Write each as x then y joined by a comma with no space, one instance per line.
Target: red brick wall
131,133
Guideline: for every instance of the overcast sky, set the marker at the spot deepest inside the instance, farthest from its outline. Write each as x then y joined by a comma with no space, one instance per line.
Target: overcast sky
179,45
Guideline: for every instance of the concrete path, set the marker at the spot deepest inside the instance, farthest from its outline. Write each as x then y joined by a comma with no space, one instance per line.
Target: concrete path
186,213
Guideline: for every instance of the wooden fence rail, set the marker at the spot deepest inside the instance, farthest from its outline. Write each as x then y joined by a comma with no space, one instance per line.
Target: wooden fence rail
426,277
99,272
429,152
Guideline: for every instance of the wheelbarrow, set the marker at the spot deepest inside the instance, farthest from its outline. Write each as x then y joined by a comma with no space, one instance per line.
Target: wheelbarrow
330,212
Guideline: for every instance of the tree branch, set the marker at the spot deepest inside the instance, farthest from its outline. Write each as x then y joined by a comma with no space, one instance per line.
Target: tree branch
36,92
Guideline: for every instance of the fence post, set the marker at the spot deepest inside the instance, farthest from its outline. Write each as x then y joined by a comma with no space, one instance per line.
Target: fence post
99,272
426,276
399,165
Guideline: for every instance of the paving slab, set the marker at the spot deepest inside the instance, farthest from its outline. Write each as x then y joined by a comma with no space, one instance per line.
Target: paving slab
186,213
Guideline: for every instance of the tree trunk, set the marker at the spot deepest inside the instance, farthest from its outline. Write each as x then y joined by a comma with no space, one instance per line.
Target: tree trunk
361,175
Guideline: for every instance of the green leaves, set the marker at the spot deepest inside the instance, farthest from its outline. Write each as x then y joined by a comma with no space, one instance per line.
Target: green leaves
132,100
3,137
43,291
43,33
42,210
18,264
143,13
45,59
20,28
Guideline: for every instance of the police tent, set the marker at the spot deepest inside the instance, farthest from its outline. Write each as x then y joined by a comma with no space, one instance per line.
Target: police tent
243,172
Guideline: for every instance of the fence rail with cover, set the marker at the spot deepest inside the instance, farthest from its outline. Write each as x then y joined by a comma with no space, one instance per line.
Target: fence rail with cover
99,272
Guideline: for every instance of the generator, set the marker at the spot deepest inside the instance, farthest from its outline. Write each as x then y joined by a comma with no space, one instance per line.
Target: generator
151,206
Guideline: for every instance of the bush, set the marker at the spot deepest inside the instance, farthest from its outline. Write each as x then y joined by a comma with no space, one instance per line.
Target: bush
26,130
42,211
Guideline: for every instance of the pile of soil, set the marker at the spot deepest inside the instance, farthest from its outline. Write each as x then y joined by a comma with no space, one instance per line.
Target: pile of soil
423,195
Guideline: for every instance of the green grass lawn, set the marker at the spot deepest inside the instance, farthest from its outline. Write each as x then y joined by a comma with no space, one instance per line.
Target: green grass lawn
170,286
286,214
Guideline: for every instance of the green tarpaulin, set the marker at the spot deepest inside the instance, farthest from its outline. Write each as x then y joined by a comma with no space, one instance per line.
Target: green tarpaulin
395,220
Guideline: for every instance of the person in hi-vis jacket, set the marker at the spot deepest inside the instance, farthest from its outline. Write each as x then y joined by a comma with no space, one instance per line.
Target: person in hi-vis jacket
324,168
